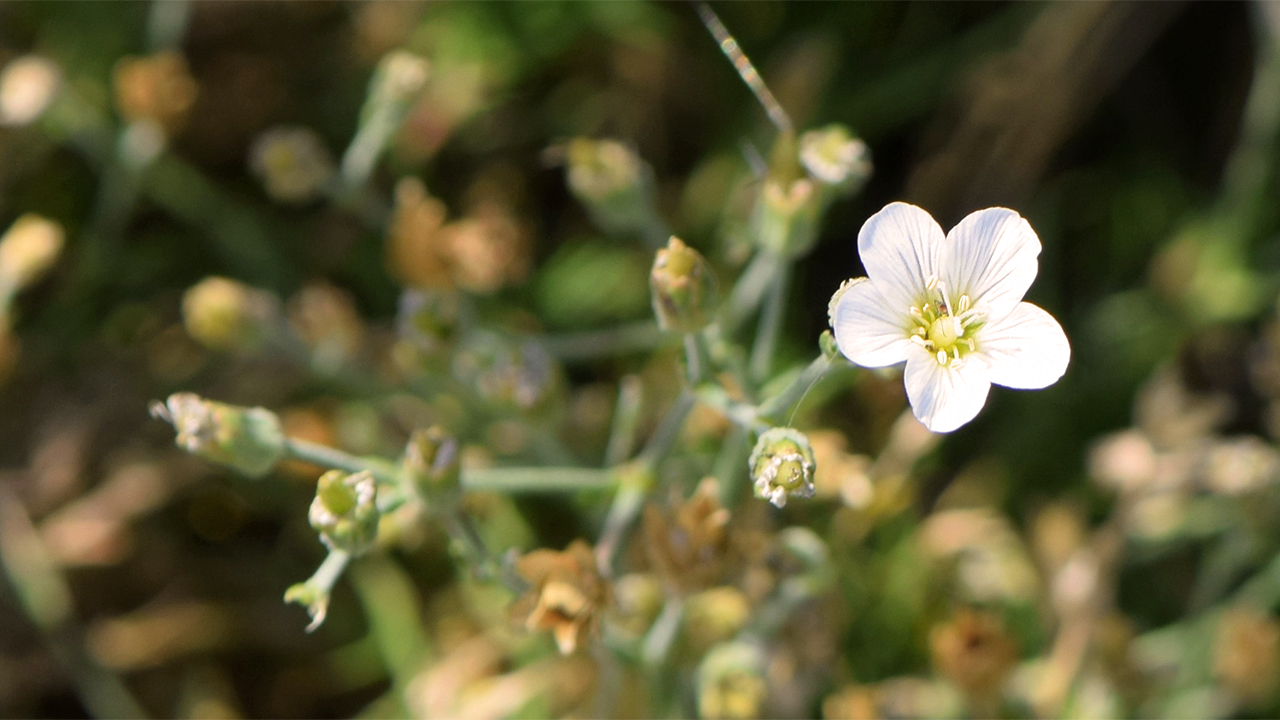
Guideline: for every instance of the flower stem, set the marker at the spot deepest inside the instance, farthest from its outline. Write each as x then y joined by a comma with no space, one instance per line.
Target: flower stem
770,323
775,407
626,418
747,292
593,344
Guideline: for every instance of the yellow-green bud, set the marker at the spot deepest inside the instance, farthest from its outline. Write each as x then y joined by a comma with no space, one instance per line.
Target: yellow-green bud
782,465
28,249
715,615
834,157
731,683
247,439
827,344
431,463
684,288
223,314
612,182
345,511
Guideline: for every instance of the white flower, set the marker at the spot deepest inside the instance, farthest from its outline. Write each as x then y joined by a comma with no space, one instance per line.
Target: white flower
951,308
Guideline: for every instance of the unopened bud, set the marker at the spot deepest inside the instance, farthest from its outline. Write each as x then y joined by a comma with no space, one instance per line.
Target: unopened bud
224,314
431,463
247,439
345,511
28,249
684,288
731,682
612,182
786,217
782,465
292,163
27,87
714,616
833,156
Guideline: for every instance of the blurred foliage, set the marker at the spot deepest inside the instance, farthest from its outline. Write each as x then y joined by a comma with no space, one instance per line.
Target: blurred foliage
376,218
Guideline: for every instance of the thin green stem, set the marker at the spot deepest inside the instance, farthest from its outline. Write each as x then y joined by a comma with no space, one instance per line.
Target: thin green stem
747,292
626,419
635,337
777,406
770,323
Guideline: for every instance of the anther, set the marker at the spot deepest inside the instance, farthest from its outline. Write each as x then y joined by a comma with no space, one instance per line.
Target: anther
942,357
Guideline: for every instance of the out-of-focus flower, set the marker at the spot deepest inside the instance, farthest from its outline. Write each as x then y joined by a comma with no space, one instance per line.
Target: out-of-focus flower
838,473
28,249
247,439
612,182
400,75
852,702
991,563
325,318
1246,655
28,85
345,511
950,306
731,684
224,314
1123,461
522,376
974,651
292,163
489,248
782,465
688,543
683,287
1238,466
158,88
566,597
416,255
834,156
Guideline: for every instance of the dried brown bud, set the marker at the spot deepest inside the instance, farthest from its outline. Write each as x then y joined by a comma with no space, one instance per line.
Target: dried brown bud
566,597
158,88
689,543
974,651
1246,655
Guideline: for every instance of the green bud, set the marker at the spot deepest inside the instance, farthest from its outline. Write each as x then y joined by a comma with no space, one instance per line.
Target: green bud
612,182
786,216
827,344
345,511
782,465
834,157
431,463
247,439
684,288
731,682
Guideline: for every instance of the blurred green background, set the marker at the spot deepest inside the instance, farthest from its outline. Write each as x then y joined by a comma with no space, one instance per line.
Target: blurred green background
1139,139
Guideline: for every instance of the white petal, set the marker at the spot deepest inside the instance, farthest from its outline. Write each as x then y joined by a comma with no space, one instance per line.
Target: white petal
899,247
868,331
944,398
1026,349
991,257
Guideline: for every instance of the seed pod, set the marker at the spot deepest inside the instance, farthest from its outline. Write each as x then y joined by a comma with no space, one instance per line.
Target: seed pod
247,439
782,465
684,288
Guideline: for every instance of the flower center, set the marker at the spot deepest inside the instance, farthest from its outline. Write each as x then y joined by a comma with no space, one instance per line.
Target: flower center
944,329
